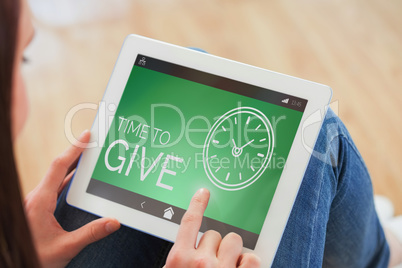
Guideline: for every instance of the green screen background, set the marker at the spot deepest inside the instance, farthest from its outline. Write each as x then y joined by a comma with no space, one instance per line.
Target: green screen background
246,208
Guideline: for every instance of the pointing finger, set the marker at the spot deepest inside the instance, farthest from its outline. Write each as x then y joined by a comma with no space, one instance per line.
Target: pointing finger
191,221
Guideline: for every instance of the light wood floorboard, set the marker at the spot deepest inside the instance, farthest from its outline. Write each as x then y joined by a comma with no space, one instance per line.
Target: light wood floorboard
354,46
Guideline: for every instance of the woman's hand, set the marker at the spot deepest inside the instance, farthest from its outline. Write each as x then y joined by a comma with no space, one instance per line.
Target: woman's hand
212,250
56,247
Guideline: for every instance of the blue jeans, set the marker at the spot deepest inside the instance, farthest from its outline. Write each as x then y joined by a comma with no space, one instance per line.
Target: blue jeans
333,222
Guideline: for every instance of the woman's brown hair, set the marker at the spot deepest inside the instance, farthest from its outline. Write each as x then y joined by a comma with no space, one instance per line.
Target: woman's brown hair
16,246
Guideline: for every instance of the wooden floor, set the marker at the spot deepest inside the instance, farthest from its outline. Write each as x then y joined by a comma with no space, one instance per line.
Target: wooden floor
354,46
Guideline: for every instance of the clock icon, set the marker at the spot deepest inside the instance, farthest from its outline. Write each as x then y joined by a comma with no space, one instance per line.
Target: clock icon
238,148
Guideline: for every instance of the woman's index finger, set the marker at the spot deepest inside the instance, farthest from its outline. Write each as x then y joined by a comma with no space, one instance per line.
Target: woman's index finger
191,221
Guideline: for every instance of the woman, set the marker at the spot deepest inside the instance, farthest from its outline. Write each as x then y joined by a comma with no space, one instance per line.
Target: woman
49,245
333,222
17,245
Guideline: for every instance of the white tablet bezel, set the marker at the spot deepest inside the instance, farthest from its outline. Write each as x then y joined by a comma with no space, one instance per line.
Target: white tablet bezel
318,97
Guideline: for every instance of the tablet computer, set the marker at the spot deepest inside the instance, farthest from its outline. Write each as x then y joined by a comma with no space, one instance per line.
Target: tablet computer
173,120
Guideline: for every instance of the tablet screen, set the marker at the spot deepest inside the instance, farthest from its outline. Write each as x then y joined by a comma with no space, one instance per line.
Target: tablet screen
178,129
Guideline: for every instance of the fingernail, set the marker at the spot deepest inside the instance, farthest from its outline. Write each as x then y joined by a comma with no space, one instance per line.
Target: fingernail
112,226
202,191
83,133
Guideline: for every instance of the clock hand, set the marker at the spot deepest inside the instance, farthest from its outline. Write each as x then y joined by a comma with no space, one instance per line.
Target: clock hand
234,144
247,144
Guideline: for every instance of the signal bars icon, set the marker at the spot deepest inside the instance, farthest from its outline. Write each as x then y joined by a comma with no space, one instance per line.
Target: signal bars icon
285,100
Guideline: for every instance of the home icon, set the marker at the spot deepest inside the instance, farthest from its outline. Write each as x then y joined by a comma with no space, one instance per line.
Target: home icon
168,213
